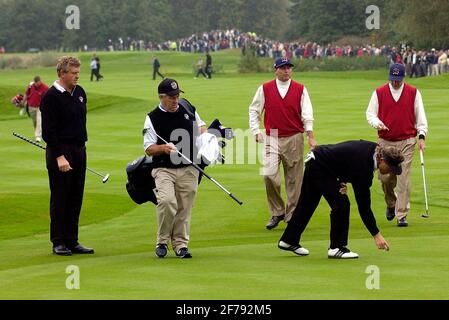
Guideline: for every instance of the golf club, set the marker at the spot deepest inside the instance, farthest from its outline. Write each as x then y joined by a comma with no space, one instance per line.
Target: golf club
204,173
105,177
424,215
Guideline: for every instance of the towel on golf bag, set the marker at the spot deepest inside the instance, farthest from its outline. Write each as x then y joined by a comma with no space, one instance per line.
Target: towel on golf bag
208,149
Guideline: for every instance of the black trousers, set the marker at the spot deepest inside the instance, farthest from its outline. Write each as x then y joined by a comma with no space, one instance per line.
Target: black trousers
209,71
156,71
66,194
317,183
94,72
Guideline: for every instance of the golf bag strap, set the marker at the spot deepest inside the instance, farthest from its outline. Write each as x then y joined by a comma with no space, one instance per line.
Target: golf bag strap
188,107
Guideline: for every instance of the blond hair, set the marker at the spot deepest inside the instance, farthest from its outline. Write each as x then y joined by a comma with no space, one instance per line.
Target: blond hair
65,63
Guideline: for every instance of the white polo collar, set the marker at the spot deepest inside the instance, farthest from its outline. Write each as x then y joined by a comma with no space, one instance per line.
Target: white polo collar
60,88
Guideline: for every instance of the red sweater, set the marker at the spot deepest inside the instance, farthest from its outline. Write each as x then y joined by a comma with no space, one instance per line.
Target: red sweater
399,116
35,94
283,114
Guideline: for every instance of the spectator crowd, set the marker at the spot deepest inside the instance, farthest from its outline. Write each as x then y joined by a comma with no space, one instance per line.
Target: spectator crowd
418,63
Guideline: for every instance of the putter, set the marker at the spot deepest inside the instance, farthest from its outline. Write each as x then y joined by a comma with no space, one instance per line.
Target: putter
424,215
204,173
105,177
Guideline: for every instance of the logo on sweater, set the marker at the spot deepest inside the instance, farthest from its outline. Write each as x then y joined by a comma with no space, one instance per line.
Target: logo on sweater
186,116
81,99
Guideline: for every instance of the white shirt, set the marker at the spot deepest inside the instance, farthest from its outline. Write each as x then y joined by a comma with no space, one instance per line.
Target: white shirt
150,138
256,107
373,110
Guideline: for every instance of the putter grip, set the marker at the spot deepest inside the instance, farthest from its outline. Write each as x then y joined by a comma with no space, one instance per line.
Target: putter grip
236,200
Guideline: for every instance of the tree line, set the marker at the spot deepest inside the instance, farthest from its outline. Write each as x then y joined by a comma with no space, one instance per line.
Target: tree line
42,24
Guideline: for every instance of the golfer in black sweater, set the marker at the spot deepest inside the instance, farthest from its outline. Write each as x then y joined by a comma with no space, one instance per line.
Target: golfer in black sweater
63,111
328,169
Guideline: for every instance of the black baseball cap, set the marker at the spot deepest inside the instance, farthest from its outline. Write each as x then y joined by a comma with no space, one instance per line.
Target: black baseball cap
169,87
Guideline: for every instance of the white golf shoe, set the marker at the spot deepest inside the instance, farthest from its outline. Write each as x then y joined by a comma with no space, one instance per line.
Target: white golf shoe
341,253
300,251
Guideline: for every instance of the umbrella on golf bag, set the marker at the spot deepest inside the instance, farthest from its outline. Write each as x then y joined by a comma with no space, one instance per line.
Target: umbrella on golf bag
141,185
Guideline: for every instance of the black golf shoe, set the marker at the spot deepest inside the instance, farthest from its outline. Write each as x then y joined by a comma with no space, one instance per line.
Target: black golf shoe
161,250
183,253
390,213
80,249
274,221
62,250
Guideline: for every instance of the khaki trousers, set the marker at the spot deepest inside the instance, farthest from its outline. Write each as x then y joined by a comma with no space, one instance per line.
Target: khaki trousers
289,151
35,115
175,193
400,199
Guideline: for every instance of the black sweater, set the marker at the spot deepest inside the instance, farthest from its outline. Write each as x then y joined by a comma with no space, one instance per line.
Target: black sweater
352,162
64,118
178,128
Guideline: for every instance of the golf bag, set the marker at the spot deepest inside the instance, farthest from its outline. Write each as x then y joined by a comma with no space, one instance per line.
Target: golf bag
141,185
18,100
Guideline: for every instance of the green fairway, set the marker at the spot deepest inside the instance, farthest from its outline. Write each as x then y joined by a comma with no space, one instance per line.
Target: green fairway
234,256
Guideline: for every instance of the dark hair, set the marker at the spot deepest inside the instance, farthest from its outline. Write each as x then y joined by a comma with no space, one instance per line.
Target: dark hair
391,155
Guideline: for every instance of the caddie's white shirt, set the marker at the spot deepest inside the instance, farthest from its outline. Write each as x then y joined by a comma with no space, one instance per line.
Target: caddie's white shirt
150,138
256,107
373,110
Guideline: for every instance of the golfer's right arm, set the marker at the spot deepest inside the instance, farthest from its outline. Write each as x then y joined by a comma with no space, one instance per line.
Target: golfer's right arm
372,114
363,198
255,114
150,141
